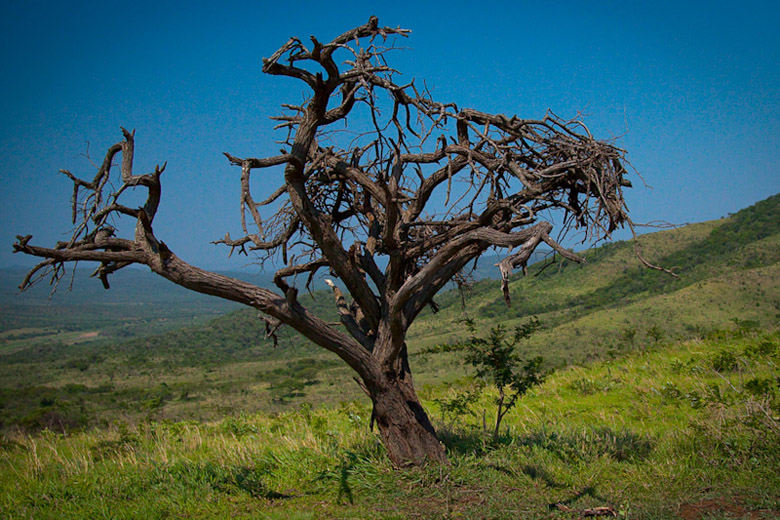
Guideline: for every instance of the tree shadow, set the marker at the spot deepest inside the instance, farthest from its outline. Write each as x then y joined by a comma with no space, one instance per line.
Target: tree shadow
570,446
341,475
345,492
588,491
472,442
538,472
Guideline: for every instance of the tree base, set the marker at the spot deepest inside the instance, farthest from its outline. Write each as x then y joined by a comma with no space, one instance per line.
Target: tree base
406,431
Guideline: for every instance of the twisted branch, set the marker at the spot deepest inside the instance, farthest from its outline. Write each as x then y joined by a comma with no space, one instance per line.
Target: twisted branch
392,191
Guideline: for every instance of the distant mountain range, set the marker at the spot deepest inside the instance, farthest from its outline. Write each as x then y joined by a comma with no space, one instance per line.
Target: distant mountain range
131,285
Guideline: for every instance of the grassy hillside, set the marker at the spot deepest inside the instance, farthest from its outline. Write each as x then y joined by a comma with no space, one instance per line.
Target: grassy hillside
727,269
76,376
202,371
689,430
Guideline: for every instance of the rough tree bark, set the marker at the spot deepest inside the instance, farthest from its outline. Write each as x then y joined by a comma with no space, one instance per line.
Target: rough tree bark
392,192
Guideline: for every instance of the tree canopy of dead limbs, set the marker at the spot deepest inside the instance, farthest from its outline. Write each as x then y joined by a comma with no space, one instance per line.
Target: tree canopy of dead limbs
389,190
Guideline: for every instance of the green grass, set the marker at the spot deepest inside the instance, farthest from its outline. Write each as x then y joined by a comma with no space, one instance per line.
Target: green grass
145,363
644,435
728,269
653,405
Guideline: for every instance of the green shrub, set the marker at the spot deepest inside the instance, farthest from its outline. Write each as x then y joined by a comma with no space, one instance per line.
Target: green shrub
589,386
237,426
760,386
670,391
56,417
498,365
724,361
765,348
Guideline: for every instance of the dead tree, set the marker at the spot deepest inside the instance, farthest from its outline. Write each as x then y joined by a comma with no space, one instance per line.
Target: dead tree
392,192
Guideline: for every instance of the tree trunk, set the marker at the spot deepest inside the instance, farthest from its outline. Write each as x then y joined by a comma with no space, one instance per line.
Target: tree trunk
406,431
499,414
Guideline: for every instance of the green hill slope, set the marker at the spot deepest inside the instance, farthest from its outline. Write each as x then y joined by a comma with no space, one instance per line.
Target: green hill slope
729,270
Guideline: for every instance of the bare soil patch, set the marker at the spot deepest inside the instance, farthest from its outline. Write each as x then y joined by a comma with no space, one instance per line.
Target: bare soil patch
724,507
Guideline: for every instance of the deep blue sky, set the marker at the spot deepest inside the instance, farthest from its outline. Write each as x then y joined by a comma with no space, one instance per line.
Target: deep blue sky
693,88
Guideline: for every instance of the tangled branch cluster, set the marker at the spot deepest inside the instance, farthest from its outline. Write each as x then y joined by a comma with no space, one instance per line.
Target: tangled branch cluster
415,180
390,190
93,209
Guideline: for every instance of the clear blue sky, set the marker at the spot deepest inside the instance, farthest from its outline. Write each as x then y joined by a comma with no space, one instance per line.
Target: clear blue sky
693,88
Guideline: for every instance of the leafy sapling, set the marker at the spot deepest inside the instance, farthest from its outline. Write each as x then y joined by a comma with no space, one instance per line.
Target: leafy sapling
498,364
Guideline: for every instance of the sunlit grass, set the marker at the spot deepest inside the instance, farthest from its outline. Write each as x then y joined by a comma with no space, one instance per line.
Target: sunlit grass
641,434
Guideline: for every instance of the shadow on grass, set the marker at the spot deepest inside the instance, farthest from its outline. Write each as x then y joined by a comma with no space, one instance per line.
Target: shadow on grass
464,442
589,491
341,475
226,479
538,472
568,445
345,491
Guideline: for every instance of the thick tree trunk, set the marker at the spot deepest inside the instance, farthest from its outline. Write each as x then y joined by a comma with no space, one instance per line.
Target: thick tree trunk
406,431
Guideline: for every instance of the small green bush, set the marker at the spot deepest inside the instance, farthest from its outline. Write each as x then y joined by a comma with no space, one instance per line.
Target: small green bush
724,361
765,348
237,426
760,386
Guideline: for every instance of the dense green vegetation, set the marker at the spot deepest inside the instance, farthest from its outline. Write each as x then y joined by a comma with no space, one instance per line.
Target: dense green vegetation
665,399
690,429
201,371
130,361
